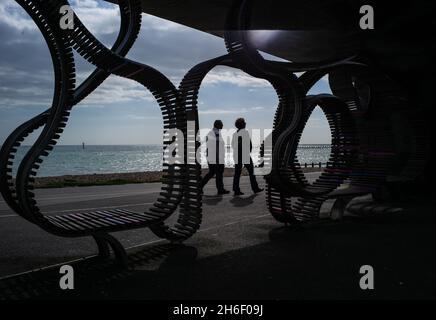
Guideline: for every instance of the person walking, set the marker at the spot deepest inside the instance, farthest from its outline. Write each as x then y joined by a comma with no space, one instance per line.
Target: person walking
242,146
215,157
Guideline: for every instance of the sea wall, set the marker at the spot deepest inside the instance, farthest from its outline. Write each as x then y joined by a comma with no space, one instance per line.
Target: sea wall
117,178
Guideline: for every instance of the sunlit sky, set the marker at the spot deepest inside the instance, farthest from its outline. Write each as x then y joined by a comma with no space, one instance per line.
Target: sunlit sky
121,111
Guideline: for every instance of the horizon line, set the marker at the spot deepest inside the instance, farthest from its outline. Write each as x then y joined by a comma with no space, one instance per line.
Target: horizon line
142,144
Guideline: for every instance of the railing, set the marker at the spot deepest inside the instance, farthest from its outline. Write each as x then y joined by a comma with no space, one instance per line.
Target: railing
314,146
314,165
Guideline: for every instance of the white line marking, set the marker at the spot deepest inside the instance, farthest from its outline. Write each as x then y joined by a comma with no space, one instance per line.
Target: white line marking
103,195
112,207
234,222
9,216
115,195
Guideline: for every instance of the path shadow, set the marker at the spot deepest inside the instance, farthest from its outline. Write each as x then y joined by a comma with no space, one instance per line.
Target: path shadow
93,276
316,261
240,202
320,261
212,200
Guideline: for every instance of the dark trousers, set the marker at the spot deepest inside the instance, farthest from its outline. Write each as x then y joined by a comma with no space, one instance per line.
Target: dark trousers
218,170
237,176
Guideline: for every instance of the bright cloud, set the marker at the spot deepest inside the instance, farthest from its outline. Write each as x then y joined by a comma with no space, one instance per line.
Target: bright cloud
236,110
13,16
117,90
235,77
99,20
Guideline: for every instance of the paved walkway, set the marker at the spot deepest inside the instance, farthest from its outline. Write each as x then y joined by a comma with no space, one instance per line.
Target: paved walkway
240,252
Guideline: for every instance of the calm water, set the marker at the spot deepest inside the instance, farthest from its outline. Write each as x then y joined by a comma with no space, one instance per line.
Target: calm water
73,160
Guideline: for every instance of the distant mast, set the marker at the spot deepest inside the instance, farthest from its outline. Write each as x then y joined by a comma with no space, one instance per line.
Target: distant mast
83,145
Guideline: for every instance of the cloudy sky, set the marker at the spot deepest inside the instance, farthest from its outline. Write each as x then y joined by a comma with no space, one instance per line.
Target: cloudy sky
120,111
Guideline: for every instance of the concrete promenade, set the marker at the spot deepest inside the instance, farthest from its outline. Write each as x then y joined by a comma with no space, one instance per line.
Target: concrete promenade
241,252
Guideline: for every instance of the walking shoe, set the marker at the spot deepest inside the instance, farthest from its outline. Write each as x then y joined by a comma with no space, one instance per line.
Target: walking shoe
239,193
258,190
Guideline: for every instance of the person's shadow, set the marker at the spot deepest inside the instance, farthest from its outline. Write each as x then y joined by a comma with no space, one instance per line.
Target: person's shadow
243,201
212,200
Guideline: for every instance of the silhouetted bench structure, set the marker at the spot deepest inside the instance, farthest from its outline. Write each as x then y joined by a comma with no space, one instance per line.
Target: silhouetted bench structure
181,182
363,155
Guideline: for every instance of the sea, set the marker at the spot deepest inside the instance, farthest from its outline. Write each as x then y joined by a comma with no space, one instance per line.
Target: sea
95,159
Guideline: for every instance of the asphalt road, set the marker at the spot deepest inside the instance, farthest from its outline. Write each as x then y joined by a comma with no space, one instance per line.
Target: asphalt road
240,252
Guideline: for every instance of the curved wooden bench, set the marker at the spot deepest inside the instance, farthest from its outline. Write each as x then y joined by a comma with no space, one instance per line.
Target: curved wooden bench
286,178
130,14
364,157
181,186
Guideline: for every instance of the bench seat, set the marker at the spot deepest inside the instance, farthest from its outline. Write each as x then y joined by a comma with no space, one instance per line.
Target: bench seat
115,219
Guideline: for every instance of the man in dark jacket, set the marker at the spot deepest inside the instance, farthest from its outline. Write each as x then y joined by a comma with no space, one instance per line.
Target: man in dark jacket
215,157
241,144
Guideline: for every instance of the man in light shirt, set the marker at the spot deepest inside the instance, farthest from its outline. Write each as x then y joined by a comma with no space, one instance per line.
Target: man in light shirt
215,157
241,144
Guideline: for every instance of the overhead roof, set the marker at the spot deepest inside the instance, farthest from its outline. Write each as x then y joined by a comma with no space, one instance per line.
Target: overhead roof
322,29
303,35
